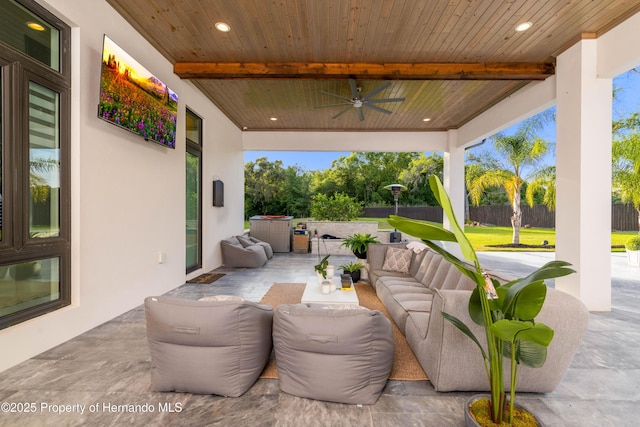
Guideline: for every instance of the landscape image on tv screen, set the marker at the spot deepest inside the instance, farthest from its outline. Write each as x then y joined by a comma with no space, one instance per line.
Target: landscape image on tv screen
134,99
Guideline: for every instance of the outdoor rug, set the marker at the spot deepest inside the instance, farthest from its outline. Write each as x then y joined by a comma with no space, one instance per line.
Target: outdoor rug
206,278
405,365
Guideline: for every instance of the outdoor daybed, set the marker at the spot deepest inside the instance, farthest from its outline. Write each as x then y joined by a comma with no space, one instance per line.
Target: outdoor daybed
416,287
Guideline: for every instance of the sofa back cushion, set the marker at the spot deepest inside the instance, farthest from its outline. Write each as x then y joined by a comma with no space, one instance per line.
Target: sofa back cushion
416,261
429,268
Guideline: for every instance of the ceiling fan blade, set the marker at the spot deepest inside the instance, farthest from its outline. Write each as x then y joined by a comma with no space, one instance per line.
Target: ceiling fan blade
360,114
373,107
337,96
341,112
354,89
376,90
371,101
332,105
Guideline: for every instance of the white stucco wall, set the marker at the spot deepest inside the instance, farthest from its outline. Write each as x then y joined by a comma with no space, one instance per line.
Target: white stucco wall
128,195
345,141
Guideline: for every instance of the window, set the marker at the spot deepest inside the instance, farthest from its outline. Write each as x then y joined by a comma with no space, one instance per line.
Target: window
35,246
194,192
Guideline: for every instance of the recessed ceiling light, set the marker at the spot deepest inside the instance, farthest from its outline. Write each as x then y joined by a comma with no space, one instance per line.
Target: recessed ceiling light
273,119
222,26
35,26
427,119
524,26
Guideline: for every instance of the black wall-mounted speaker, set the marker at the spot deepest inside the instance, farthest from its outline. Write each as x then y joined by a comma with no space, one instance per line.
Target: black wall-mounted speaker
218,193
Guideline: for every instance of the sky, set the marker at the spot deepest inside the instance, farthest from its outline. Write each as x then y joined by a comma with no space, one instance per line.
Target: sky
626,101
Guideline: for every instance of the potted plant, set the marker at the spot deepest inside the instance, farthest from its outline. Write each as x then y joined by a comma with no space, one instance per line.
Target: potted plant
359,243
353,269
506,312
633,250
321,269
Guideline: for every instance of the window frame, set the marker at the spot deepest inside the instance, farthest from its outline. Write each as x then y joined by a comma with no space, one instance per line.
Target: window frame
16,246
195,149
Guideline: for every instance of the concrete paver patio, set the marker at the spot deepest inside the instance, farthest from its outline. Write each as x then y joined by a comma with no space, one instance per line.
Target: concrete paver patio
107,371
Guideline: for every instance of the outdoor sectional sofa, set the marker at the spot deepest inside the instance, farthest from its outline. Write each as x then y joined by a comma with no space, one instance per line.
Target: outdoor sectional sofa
416,287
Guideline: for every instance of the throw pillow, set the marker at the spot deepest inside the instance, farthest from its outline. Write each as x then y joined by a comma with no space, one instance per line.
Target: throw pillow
244,241
397,259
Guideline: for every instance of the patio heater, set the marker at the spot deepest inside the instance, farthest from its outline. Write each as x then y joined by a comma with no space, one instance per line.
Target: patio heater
395,236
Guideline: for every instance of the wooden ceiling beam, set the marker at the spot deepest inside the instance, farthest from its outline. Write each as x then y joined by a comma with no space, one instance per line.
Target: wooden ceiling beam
364,71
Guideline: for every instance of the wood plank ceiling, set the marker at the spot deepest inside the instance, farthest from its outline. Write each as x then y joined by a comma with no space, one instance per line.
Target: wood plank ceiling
450,59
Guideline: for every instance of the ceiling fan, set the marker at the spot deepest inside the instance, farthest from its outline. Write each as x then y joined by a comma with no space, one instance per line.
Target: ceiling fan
359,101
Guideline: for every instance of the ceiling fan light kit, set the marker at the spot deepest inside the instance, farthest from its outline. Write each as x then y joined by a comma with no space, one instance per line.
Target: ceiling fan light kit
359,101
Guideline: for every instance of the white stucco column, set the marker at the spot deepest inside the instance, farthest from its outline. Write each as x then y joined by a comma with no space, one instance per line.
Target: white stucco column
583,175
453,177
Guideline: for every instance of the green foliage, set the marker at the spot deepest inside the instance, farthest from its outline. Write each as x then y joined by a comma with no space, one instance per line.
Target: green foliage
633,244
506,313
359,242
351,267
543,185
338,207
626,161
321,267
416,178
272,189
363,176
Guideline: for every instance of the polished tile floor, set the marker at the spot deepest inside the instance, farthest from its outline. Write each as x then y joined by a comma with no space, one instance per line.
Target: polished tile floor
101,378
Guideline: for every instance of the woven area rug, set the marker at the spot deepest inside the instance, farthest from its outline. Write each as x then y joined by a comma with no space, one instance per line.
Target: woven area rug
405,365
206,278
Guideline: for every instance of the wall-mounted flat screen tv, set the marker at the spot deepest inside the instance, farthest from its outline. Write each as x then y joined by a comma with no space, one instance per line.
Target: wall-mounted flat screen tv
134,99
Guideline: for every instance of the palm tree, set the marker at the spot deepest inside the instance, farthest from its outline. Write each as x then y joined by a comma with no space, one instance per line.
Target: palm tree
520,152
39,184
626,170
544,180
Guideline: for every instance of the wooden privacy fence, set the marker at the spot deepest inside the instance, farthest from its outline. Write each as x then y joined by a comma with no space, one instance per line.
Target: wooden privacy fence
623,217
537,216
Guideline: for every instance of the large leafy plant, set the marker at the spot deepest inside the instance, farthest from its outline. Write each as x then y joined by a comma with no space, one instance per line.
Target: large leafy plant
359,242
505,311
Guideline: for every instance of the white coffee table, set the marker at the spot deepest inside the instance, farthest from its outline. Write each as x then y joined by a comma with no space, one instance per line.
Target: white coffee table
313,293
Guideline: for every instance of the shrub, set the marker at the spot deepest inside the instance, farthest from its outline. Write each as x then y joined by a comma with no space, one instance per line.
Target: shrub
338,207
633,244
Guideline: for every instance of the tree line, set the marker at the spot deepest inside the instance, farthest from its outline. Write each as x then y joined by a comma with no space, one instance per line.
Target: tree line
514,172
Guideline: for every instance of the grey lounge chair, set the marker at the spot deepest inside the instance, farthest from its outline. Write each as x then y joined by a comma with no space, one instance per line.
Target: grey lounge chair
207,347
235,254
336,355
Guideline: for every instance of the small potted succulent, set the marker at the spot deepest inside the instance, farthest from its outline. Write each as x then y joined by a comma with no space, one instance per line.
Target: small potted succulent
633,250
359,243
353,269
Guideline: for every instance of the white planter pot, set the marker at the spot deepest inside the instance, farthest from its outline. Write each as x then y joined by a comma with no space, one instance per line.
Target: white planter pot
633,257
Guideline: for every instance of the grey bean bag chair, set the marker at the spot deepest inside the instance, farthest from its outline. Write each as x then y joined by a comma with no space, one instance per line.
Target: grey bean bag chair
234,254
207,347
331,354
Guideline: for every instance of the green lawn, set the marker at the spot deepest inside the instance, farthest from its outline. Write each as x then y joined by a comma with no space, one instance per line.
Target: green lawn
484,238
